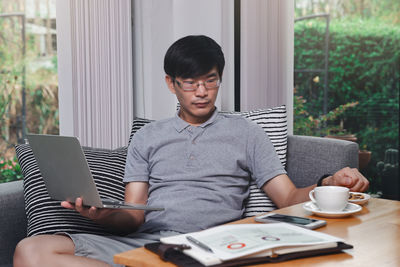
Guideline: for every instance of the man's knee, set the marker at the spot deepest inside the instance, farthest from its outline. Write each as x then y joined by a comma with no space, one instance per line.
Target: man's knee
37,250
26,252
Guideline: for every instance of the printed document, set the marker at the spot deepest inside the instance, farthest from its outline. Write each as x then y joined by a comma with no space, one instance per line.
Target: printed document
235,241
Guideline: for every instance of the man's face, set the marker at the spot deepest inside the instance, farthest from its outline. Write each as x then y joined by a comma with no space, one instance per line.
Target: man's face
197,101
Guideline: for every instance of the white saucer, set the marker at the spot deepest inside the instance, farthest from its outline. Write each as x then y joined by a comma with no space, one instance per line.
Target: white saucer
363,198
350,209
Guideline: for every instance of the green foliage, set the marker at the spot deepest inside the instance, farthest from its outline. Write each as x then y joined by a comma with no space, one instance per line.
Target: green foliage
41,87
10,89
385,10
364,67
306,124
10,170
11,66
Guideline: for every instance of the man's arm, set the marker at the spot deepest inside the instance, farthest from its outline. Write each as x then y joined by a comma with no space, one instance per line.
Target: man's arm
120,221
284,193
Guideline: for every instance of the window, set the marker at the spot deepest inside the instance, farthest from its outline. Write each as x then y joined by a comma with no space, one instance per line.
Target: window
360,85
28,76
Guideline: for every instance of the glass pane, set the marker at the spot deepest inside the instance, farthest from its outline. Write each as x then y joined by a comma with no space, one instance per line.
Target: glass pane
28,76
360,86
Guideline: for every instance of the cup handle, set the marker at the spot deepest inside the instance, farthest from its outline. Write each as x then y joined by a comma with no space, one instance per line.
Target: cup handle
311,195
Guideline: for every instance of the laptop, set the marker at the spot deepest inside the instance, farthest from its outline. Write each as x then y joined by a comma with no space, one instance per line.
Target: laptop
66,172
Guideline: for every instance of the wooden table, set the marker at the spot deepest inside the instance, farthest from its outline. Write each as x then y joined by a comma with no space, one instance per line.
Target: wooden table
374,232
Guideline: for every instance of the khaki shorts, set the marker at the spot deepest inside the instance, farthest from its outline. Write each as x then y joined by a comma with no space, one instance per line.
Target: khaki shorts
105,247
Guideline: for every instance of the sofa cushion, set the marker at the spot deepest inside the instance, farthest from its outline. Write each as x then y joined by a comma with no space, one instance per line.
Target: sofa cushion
274,123
136,125
46,216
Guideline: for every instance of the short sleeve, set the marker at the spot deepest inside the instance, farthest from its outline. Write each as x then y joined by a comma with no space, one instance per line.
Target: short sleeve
263,161
137,167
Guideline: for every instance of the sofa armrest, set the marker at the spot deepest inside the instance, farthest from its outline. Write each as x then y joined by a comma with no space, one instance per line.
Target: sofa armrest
308,157
13,219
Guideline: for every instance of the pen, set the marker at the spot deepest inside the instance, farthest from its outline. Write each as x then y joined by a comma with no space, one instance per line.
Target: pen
198,243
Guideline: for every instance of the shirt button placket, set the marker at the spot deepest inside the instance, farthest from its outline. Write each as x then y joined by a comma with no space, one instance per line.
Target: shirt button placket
192,138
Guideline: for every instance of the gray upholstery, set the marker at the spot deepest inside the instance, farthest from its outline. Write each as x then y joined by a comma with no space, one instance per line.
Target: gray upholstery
12,219
308,158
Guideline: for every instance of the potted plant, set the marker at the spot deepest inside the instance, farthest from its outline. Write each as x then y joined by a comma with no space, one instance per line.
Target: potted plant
324,125
340,133
364,157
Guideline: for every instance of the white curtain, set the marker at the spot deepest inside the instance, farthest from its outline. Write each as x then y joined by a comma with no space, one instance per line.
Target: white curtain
95,71
102,86
266,51
157,24
267,45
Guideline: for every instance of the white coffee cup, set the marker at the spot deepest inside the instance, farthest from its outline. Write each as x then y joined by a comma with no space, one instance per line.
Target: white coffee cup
330,198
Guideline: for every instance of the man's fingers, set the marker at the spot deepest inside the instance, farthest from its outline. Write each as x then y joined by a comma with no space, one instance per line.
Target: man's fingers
78,205
92,212
352,179
343,178
67,205
360,186
360,182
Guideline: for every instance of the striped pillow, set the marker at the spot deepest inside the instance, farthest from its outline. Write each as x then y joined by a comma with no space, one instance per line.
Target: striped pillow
46,216
274,123
136,125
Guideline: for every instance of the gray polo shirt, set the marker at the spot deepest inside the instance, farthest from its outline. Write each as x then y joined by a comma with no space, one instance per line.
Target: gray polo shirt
200,175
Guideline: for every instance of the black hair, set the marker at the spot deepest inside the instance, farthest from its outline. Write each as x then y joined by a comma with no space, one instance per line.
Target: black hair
193,56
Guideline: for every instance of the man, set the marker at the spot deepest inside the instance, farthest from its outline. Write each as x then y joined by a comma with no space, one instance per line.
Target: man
197,165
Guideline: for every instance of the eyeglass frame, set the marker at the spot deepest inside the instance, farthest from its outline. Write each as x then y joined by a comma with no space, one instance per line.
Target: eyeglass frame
196,85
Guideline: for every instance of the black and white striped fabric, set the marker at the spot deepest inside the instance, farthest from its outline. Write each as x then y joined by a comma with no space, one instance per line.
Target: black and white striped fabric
46,216
136,125
274,123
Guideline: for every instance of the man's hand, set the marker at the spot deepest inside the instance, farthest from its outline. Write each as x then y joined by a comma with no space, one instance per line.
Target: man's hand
350,178
119,221
91,213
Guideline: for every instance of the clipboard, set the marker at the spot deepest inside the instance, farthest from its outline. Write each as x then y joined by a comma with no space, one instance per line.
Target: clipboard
173,253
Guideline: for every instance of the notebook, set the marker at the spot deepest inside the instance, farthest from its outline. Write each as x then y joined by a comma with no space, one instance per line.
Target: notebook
245,244
66,172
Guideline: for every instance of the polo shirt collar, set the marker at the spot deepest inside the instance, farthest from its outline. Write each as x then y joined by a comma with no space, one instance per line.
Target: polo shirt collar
180,124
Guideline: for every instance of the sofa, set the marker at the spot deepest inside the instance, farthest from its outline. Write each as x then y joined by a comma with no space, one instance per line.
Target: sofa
307,159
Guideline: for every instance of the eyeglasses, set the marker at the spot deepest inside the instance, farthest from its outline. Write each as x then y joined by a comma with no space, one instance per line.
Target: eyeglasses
191,86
